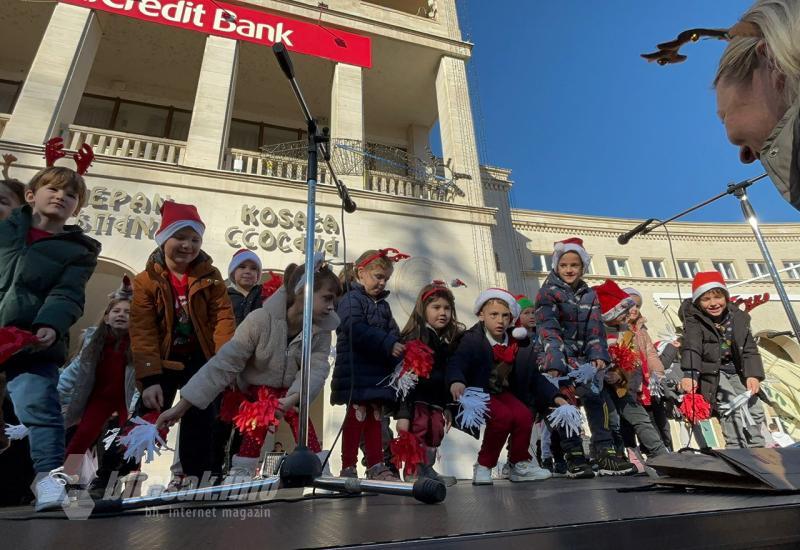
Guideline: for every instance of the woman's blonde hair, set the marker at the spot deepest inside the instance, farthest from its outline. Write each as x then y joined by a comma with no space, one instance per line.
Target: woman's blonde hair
779,22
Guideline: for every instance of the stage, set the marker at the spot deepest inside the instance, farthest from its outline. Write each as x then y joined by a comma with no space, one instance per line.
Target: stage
558,513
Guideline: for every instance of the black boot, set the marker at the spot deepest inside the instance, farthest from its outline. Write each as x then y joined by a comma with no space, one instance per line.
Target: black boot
577,466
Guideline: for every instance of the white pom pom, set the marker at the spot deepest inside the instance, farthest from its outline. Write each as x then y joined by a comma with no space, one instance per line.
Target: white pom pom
583,374
474,409
15,432
567,417
403,382
108,440
142,439
656,385
519,333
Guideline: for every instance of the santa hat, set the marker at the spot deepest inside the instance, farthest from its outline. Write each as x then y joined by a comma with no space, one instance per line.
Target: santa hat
125,290
239,257
573,244
705,281
176,216
613,300
524,302
510,301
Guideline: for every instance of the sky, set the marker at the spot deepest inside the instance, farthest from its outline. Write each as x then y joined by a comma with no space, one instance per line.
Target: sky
589,127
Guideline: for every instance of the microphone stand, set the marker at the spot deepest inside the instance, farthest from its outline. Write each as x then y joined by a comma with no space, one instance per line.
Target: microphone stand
739,190
302,467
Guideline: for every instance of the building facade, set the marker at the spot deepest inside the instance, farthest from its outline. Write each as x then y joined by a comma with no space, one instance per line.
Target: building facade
181,100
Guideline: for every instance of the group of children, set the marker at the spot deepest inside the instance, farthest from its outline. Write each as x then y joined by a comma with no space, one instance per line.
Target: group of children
180,328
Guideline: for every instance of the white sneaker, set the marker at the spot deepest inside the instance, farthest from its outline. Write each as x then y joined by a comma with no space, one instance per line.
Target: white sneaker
51,491
481,475
528,471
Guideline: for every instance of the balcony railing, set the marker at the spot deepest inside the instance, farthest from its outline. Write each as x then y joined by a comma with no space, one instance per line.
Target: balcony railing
3,121
118,144
384,169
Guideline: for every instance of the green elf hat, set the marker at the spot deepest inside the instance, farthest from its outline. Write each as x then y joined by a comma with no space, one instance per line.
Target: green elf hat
523,301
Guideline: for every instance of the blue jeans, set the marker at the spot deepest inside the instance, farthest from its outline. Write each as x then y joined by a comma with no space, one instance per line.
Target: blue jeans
34,394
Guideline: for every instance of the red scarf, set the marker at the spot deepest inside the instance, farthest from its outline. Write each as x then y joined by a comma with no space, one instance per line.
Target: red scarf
505,354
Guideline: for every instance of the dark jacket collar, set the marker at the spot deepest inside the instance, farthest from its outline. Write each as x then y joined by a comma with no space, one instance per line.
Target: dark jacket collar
22,219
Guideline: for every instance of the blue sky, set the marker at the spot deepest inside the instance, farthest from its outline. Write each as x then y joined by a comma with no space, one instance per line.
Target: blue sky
589,127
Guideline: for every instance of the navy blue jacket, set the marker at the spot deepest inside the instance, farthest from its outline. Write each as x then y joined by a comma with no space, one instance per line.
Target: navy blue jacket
527,382
374,334
569,325
244,305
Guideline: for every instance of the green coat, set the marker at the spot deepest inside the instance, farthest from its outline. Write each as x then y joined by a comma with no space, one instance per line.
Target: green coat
43,284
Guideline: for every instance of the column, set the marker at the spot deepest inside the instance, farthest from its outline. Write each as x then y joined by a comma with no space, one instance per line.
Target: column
57,78
459,146
213,104
418,141
347,117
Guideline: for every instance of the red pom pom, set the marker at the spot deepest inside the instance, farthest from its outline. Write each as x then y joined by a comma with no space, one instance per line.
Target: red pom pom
418,358
271,285
623,357
229,408
259,414
12,340
695,408
407,449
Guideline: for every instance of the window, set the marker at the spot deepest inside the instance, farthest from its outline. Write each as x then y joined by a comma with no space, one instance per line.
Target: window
133,117
726,268
618,267
654,269
587,270
541,262
688,268
9,90
251,136
757,269
793,269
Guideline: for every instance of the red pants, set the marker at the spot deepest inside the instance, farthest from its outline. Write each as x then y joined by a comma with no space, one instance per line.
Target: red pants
428,424
98,410
370,427
253,441
508,416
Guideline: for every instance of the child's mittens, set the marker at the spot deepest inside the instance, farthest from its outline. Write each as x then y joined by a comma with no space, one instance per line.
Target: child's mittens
473,410
144,439
16,432
567,417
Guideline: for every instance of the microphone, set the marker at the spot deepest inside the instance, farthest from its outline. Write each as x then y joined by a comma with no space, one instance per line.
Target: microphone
625,237
347,203
283,59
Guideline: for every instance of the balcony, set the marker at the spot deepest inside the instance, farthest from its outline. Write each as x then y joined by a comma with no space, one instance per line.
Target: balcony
118,144
383,168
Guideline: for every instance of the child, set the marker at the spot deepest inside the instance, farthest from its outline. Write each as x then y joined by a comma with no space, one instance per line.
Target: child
99,382
367,348
571,333
651,374
485,358
265,352
12,195
527,315
244,272
720,358
46,265
619,393
434,322
180,317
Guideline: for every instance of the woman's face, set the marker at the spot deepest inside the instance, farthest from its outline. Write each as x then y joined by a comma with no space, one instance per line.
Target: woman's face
750,111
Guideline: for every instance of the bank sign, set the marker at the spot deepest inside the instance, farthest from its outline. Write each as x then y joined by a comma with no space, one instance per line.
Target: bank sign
240,23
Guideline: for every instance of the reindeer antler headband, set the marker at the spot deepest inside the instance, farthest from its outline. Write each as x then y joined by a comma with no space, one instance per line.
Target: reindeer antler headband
54,150
391,254
669,52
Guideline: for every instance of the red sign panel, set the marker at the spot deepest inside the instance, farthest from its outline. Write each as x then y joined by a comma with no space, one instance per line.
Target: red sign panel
241,23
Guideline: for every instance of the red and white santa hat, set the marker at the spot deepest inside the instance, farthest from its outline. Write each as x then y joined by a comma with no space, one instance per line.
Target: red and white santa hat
241,256
176,216
705,281
573,244
613,300
497,294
